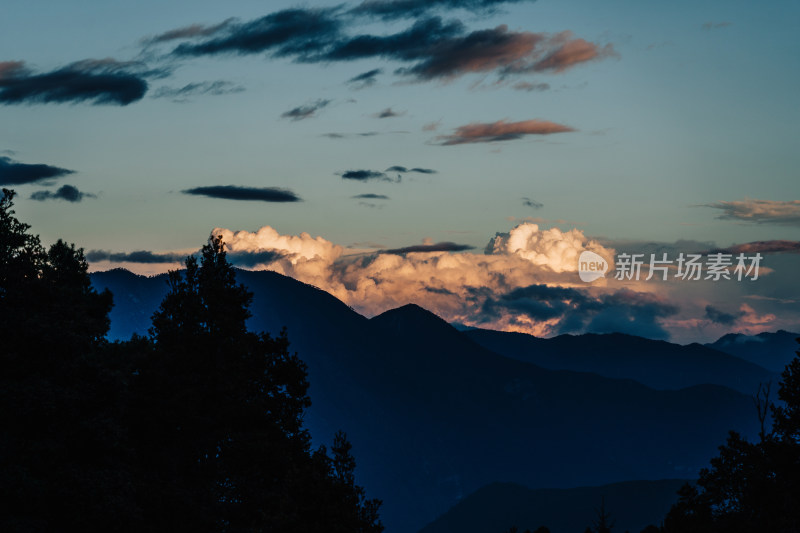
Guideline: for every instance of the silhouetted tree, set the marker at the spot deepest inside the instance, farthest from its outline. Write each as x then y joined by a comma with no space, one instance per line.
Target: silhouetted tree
220,419
195,428
603,523
750,486
64,464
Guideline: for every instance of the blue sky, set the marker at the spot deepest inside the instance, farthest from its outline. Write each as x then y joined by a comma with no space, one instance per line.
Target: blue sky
678,108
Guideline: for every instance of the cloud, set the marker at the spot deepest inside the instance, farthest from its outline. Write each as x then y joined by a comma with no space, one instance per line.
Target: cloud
760,211
405,170
234,192
187,32
396,9
721,317
251,259
715,25
242,259
531,203
500,131
139,256
290,32
431,126
340,135
15,173
777,246
429,248
365,175
530,87
65,192
181,94
365,79
388,113
571,53
570,310
104,81
433,48
445,279
305,111
371,196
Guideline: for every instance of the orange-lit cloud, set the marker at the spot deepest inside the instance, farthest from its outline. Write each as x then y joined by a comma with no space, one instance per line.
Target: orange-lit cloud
571,53
501,131
453,285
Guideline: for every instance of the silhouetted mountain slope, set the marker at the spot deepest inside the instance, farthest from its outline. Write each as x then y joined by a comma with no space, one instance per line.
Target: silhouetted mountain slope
657,364
433,416
495,508
771,350
135,300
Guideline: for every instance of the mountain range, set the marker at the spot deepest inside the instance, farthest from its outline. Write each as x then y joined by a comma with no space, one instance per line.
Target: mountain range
434,414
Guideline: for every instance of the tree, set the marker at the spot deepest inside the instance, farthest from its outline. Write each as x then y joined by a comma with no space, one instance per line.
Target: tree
750,486
603,523
197,427
63,463
220,419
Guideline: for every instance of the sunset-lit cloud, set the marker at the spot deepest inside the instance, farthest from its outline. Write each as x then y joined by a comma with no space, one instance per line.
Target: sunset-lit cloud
501,131
454,285
431,47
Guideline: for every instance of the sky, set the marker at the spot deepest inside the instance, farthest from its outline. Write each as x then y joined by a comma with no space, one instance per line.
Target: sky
455,154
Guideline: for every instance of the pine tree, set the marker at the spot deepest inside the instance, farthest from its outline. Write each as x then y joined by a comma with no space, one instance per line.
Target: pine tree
220,419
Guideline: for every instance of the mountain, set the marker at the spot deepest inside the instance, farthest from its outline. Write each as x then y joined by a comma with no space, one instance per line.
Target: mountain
434,416
633,505
770,350
657,364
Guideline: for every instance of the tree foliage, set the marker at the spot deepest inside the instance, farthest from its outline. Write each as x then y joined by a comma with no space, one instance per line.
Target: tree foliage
750,486
197,427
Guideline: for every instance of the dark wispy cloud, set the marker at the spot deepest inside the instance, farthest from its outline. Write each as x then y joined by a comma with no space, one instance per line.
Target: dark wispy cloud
530,87
305,111
251,259
777,212
431,47
575,310
340,135
139,256
715,25
103,81
721,317
777,246
388,113
365,79
365,175
397,9
182,94
371,196
290,32
426,248
68,193
531,203
501,131
404,170
15,173
237,258
235,192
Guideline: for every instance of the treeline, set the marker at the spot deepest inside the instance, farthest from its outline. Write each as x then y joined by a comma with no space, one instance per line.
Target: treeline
196,427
